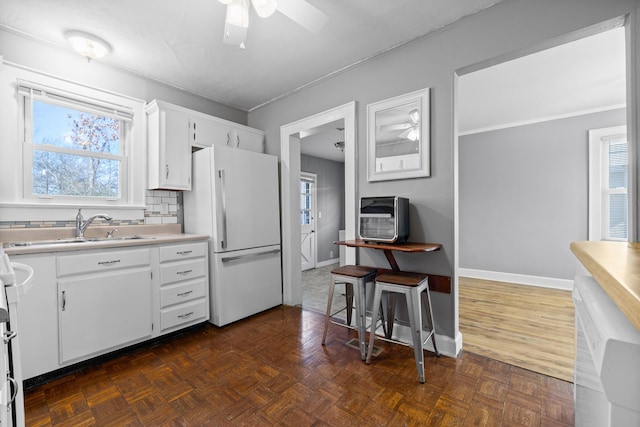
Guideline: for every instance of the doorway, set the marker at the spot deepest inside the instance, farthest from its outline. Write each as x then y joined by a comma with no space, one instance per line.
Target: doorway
308,213
521,175
290,177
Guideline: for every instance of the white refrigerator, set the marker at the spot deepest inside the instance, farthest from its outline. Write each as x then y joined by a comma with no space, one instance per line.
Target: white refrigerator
234,199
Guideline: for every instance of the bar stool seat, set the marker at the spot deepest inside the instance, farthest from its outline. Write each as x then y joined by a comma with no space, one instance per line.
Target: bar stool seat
415,287
355,278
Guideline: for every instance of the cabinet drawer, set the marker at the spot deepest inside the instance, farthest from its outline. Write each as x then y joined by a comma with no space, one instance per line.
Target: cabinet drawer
183,292
188,250
183,314
103,261
182,270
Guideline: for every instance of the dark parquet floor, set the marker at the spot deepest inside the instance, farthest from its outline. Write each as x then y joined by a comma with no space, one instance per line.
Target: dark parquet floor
272,370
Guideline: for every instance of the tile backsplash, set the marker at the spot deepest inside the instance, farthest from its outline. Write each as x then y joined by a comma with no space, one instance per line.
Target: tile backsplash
163,207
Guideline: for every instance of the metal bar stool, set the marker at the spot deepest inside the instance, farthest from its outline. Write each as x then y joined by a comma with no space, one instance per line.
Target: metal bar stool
415,287
355,278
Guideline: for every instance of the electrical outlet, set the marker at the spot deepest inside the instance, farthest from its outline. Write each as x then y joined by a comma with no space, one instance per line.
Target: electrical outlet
330,254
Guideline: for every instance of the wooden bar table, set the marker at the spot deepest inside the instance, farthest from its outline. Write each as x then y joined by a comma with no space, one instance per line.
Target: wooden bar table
440,283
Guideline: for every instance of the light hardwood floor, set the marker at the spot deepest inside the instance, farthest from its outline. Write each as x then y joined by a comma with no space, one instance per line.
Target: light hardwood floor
526,326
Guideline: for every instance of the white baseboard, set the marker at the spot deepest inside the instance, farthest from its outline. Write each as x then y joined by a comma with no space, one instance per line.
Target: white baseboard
447,346
521,279
327,262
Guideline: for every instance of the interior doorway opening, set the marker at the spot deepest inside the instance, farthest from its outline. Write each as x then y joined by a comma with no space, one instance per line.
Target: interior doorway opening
290,148
522,174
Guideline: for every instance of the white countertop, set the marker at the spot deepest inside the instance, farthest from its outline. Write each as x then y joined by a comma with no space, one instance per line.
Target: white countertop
149,235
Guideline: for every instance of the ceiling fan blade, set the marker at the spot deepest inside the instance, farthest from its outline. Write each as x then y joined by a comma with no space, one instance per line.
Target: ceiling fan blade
304,14
398,126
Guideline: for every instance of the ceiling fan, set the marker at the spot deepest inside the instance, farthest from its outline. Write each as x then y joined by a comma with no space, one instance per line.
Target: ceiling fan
237,19
410,129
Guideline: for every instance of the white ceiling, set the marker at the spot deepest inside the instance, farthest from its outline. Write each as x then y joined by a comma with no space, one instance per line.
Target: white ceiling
586,75
320,141
180,42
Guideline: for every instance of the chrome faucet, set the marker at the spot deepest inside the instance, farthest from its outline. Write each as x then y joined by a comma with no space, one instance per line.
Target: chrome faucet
81,224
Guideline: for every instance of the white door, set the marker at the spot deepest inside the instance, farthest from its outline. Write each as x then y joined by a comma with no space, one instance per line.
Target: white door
307,220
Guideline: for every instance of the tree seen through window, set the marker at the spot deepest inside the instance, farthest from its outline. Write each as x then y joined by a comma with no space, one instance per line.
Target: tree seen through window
75,153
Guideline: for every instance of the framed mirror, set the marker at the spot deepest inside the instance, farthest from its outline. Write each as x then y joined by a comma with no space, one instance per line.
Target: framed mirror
398,137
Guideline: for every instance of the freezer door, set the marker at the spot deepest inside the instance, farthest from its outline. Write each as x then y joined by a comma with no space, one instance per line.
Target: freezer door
244,283
247,201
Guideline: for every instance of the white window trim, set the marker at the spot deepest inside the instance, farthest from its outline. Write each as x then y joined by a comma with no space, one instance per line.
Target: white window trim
13,205
597,159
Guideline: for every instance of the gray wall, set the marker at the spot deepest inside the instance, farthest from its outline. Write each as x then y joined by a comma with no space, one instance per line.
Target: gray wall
509,27
523,195
330,199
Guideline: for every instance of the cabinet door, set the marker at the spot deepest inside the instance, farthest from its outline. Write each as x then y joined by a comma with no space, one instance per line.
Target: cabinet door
175,151
248,139
101,312
205,133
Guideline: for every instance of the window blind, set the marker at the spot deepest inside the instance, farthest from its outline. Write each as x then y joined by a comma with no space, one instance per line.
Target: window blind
43,93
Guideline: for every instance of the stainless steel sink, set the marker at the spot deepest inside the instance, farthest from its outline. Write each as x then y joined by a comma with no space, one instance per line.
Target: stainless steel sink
103,239
73,240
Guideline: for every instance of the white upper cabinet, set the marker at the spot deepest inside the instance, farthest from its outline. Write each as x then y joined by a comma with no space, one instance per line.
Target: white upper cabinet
205,132
248,139
174,132
169,147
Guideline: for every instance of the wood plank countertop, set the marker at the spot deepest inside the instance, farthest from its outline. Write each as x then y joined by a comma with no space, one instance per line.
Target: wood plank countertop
402,247
616,267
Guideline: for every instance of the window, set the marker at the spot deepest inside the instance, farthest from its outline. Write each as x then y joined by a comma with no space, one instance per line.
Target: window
608,184
305,201
74,147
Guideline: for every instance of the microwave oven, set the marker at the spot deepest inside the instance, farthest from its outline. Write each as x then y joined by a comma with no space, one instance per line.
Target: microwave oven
384,219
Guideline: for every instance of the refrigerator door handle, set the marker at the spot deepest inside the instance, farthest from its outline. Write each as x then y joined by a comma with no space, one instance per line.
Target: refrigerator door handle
223,204
239,257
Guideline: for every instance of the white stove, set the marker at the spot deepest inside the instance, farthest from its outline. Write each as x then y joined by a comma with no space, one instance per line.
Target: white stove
11,393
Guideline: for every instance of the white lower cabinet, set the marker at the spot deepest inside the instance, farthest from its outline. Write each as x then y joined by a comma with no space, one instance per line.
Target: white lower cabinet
184,285
103,312
86,303
104,302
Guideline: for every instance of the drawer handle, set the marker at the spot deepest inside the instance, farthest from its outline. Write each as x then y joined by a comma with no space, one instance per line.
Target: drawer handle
184,294
182,273
183,252
185,316
9,335
114,261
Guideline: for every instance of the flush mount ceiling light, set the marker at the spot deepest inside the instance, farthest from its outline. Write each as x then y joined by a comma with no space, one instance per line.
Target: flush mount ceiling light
87,45
237,18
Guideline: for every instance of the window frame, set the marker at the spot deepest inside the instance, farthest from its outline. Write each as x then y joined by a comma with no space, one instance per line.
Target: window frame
27,92
599,190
